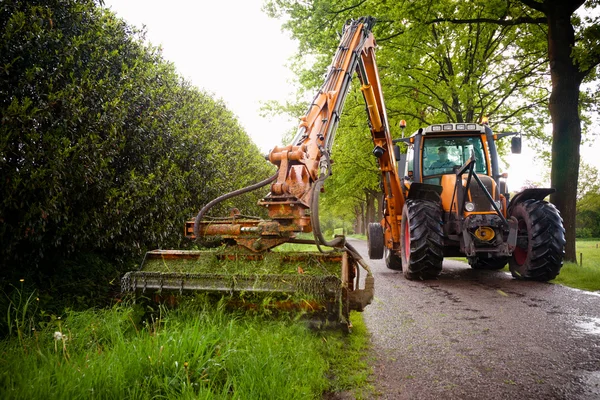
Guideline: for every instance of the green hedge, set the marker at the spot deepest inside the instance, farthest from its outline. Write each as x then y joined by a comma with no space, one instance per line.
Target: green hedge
104,149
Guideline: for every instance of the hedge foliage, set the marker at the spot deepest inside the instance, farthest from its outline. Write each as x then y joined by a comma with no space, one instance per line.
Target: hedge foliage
104,149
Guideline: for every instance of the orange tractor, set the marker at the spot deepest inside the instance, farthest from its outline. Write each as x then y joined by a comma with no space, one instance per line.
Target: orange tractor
456,204
426,215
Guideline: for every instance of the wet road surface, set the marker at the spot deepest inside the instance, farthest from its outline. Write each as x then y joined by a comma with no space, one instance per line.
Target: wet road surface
481,335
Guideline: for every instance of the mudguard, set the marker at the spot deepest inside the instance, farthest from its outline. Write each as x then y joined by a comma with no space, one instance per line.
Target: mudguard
533,193
423,191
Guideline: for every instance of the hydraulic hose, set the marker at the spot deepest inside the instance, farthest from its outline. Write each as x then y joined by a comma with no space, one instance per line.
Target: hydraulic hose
229,195
316,226
314,218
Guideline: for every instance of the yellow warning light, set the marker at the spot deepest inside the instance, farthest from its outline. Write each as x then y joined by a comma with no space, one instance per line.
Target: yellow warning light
485,120
402,124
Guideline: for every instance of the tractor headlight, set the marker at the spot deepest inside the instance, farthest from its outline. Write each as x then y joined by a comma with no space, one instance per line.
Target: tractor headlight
498,204
469,206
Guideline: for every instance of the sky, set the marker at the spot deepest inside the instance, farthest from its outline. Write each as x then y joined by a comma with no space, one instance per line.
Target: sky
233,50
230,48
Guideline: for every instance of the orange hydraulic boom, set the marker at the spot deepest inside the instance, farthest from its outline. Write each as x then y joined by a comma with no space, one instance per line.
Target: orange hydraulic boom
304,164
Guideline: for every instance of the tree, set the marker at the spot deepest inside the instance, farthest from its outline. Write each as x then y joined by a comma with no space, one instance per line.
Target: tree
569,66
572,52
588,202
430,73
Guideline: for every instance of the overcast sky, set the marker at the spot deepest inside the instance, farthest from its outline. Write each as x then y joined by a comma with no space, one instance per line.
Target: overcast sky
232,49
229,48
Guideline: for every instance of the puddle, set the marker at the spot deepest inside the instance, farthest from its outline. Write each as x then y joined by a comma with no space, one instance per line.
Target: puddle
597,294
589,325
591,383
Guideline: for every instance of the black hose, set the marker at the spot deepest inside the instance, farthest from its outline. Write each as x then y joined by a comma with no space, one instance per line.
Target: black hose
229,195
314,219
357,257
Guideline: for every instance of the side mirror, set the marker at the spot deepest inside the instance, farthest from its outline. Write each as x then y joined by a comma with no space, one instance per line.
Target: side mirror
515,145
397,152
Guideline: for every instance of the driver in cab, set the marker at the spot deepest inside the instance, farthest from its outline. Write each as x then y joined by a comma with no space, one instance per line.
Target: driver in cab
442,164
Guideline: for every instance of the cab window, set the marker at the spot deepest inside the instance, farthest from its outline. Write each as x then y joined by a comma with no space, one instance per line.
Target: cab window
409,162
443,155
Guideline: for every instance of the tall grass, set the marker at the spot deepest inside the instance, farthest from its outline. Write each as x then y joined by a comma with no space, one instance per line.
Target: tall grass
21,308
197,350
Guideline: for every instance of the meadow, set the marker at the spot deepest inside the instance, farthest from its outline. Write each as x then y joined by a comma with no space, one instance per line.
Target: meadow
587,275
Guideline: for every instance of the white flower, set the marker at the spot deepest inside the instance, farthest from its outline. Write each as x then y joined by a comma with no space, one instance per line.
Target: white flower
59,336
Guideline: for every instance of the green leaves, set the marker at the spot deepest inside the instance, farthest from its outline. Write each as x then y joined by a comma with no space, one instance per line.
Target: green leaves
103,147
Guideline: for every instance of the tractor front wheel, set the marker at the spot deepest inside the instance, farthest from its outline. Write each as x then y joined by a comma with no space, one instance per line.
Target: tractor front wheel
375,241
421,239
540,241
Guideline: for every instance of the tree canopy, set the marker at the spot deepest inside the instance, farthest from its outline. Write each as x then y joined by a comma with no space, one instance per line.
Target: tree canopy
458,61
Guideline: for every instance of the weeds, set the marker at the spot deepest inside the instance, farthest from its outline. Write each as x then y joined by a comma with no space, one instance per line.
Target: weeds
198,350
20,311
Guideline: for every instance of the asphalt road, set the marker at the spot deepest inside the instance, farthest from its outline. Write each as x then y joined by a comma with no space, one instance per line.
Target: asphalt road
481,335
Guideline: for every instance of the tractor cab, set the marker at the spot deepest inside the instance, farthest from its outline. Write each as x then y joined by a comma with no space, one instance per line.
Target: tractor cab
442,149
457,204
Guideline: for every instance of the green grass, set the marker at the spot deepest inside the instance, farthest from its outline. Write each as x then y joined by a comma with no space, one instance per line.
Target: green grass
586,277
358,236
197,350
349,368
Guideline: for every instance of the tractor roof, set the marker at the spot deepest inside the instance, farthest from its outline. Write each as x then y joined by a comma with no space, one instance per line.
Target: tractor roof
451,128
448,129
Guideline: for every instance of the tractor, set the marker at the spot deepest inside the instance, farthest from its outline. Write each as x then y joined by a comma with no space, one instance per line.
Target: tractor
457,204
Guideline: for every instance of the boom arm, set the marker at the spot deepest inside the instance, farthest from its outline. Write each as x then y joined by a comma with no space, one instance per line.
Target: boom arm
304,164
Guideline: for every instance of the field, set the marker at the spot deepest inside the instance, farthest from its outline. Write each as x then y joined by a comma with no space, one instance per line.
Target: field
586,276
197,350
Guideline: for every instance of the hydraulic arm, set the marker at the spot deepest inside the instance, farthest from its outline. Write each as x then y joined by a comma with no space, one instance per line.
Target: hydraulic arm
304,164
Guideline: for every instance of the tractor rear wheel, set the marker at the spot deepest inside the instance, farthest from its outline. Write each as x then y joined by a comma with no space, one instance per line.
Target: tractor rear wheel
393,260
375,241
488,263
421,239
540,241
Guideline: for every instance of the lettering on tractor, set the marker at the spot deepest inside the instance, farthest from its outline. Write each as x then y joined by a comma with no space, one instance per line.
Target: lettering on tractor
445,197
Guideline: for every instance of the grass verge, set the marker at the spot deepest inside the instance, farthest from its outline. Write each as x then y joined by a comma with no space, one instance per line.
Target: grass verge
586,276
197,350
349,367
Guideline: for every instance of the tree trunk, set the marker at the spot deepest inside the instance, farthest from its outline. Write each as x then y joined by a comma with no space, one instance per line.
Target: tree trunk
359,225
371,208
380,200
566,125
